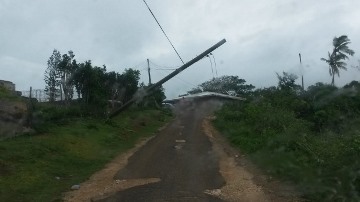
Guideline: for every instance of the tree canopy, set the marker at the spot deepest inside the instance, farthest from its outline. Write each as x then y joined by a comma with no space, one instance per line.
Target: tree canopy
229,85
93,84
339,54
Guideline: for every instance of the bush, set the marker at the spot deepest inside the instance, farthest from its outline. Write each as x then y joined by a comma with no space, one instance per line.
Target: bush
312,138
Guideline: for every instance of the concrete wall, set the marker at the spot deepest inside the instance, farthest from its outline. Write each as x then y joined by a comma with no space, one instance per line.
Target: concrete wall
8,85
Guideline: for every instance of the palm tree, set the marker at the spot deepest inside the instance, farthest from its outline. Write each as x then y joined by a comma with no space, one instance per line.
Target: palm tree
340,52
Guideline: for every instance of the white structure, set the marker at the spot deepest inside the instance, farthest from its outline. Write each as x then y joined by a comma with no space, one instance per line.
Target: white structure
204,95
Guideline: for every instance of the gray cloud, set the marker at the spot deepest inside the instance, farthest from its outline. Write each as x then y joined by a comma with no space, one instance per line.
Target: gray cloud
263,37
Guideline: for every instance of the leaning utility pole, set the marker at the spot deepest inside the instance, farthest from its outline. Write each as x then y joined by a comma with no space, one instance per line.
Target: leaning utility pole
149,72
139,95
302,76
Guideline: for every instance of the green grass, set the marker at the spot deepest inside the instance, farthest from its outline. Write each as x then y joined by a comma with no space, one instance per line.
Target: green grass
29,165
5,94
325,166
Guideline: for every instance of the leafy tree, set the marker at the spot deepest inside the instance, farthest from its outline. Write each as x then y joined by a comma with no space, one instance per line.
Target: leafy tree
338,55
89,82
153,98
194,91
112,85
128,82
66,69
51,75
230,85
287,82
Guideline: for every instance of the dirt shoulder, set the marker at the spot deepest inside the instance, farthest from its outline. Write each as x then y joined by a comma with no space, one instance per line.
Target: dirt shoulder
244,182
102,183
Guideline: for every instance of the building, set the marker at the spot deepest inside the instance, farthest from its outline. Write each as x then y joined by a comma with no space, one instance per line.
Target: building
8,85
202,96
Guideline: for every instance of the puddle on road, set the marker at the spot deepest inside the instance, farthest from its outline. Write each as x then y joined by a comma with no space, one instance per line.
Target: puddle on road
177,147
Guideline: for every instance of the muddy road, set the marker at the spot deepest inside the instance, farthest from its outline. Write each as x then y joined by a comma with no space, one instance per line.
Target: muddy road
186,161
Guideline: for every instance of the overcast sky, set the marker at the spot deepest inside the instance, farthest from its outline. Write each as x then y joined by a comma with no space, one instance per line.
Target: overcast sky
263,37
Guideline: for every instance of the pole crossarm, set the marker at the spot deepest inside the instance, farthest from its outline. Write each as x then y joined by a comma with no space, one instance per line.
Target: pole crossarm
149,90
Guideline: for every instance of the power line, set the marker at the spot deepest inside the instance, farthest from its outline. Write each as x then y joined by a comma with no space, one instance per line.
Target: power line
212,71
214,63
186,82
163,30
140,65
164,67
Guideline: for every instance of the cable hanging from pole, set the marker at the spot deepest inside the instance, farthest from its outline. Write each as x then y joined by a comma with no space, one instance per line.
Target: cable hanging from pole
163,31
212,71
214,63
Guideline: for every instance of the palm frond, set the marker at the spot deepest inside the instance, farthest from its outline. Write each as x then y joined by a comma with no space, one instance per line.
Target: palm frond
337,41
323,59
340,56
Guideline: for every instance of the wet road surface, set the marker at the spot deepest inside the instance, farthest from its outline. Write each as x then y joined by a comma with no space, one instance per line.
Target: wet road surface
181,156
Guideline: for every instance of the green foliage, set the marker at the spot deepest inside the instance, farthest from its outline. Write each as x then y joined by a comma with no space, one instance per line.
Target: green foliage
154,100
225,85
310,138
89,82
41,167
129,82
51,76
94,85
287,82
5,94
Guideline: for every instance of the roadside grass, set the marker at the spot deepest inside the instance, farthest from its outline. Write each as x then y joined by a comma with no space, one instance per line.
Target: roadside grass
5,94
325,166
41,167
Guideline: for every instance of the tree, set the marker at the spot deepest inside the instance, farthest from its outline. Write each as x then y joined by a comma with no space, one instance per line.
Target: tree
195,90
66,69
128,82
51,75
230,85
287,82
153,98
90,83
338,55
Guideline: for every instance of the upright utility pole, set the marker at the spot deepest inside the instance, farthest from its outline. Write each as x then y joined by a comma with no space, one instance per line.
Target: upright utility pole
149,72
302,76
149,89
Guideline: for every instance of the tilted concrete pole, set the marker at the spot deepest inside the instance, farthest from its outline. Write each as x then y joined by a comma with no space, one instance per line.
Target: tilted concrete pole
148,91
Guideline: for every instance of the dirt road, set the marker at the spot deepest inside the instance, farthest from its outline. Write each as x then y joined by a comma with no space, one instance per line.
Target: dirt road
186,161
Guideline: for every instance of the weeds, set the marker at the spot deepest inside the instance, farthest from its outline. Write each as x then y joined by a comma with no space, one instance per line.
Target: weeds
312,141
40,167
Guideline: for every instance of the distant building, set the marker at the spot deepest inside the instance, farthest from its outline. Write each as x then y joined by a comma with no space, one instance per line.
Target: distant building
203,95
8,85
